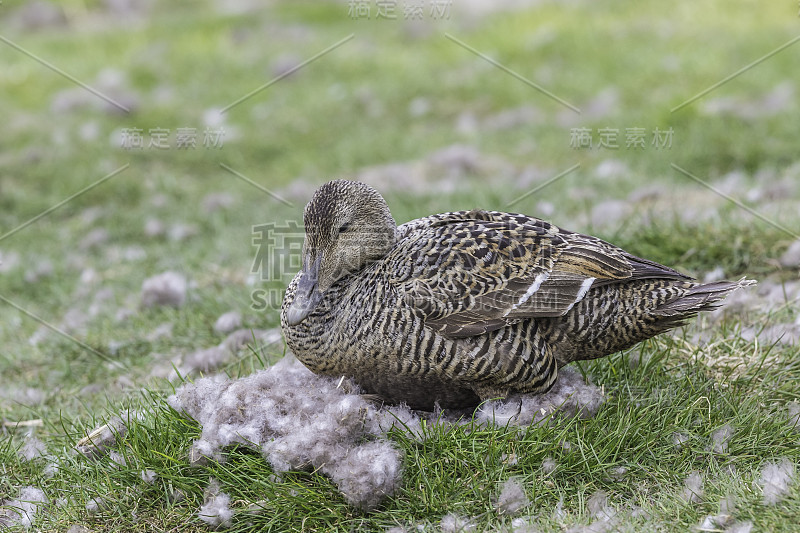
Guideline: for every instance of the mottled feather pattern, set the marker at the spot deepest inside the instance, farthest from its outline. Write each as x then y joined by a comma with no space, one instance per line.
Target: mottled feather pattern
464,306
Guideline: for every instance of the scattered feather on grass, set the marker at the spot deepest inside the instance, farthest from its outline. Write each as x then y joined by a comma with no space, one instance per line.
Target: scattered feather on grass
570,396
453,523
32,448
717,274
27,396
41,269
367,473
727,508
793,410
180,231
740,527
603,515
94,239
95,505
117,459
598,506
153,227
526,524
228,322
679,439
96,442
51,468
558,511
720,439
712,523
149,476
693,491
208,359
166,289
512,498
162,331
240,338
791,257
22,510
786,334
404,419
618,473
217,200
776,478
727,505
549,465
204,360
216,510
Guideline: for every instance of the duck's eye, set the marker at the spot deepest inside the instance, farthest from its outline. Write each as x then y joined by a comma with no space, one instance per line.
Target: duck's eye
344,227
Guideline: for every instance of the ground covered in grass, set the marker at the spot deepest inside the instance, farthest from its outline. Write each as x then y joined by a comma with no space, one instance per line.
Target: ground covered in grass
128,271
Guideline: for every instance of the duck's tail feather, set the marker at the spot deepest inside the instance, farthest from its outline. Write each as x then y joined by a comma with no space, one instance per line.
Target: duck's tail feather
701,297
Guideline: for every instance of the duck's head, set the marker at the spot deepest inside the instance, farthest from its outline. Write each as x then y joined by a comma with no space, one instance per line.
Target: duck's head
348,225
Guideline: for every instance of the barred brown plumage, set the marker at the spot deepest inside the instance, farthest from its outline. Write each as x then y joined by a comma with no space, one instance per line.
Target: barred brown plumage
461,307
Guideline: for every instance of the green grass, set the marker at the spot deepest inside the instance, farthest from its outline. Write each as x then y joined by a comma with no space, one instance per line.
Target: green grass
459,469
346,111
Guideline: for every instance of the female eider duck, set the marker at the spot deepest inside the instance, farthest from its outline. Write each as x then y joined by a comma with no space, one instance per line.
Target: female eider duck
457,308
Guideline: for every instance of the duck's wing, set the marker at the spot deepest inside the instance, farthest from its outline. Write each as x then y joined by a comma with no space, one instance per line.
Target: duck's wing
471,272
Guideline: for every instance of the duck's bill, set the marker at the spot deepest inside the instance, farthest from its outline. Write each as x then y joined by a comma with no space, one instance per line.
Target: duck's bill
306,296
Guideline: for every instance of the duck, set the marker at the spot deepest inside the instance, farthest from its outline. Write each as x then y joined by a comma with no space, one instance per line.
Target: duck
454,309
